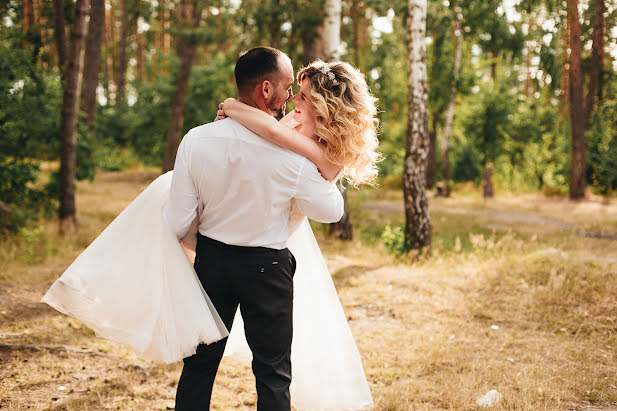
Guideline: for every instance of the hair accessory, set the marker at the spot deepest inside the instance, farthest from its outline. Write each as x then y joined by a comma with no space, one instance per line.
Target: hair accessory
325,69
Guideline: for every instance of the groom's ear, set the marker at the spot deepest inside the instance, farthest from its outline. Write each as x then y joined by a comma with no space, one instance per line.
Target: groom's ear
267,89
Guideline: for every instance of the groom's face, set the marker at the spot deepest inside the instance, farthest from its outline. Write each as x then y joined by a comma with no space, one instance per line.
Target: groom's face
282,91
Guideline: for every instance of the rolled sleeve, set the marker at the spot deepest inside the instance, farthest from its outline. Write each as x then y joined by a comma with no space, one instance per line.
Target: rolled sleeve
317,198
181,207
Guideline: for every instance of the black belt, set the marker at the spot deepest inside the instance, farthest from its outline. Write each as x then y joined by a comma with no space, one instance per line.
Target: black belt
210,242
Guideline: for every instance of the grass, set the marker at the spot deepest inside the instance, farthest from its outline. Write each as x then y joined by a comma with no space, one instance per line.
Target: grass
524,305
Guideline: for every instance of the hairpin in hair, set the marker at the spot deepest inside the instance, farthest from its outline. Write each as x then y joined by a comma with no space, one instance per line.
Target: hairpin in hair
325,69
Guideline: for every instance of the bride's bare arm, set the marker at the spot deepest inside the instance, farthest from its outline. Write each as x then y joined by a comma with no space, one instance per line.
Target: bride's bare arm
269,128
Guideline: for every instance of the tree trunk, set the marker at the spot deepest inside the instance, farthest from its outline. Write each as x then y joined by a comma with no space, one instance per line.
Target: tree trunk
109,48
165,25
331,39
343,230
92,59
487,183
577,115
312,47
70,83
60,34
139,54
597,51
28,18
187,54
431,166
565,71
494,60
360,33
418,227
528,83
120,72
332,29
445,163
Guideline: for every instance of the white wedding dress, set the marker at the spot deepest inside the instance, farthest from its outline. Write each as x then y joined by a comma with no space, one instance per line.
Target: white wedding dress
134,285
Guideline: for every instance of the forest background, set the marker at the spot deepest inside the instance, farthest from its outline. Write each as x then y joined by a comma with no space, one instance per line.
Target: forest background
499,81
517,293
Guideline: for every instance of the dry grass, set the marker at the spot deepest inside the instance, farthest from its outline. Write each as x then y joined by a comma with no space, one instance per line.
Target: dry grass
508,302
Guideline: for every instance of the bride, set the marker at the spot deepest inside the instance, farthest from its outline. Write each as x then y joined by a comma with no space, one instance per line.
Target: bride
334,126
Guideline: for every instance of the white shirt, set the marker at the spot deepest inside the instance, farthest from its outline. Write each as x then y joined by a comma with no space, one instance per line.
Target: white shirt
243,185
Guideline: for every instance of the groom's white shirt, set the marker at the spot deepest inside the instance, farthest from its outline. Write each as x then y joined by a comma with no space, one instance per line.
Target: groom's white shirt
243,186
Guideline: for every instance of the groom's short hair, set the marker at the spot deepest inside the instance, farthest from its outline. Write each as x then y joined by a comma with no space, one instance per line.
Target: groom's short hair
256,65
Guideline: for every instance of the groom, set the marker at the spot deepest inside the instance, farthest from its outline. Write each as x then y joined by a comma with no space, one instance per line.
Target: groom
244,186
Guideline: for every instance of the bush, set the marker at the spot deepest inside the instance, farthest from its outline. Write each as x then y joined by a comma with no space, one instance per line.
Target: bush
467,166
19,202
395,240
602,143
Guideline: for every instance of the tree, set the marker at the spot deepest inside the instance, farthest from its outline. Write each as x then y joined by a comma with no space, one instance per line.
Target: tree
92,59
577,114
122,61
418,226
431,166
597,51
186,49
60,34
70,85
331,39
445,163
332,29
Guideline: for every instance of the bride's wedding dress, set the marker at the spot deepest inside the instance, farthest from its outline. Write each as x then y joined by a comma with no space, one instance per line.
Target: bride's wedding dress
134,285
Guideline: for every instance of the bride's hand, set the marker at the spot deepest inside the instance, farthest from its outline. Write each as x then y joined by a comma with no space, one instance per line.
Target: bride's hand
220,114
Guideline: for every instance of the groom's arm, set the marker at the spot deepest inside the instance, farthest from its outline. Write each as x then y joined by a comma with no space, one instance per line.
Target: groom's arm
181,207
317,198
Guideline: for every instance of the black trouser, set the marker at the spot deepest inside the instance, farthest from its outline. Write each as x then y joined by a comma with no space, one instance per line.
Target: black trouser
260,280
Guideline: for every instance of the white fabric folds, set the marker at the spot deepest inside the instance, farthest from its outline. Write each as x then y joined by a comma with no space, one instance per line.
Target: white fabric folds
134,285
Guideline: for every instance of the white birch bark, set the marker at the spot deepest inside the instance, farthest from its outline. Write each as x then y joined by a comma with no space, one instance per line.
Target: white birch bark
418,227
332,29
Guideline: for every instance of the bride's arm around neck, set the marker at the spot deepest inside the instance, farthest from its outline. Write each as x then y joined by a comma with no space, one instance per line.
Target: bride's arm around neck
282,134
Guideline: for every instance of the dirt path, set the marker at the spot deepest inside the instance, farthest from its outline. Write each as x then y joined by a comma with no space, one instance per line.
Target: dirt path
508,217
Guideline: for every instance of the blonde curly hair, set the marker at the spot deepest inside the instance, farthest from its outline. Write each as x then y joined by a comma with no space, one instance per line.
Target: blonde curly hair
345,118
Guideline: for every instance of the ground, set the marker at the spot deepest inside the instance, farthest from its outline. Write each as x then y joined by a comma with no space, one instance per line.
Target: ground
518,295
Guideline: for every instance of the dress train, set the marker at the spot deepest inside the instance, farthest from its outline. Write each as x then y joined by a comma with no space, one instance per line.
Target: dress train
134,285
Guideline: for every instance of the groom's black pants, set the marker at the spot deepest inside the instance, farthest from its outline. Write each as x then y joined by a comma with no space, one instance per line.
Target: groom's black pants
260,280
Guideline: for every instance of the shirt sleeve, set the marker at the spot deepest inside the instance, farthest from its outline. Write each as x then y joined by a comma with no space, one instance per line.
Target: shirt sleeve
317,198
181,207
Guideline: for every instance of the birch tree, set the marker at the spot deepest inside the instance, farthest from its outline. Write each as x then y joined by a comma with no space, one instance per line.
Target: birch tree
331,40
418,227
332,29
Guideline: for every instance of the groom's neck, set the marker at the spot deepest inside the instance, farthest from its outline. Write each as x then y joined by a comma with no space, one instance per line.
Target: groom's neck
249,101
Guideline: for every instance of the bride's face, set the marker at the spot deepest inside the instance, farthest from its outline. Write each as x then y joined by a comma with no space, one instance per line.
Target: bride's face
304,113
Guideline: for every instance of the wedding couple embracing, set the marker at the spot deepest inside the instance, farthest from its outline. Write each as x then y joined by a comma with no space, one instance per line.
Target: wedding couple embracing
237,202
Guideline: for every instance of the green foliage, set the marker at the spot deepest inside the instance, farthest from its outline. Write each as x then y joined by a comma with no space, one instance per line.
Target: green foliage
466,165
143,125
395,240
490,120
20,202
602,143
